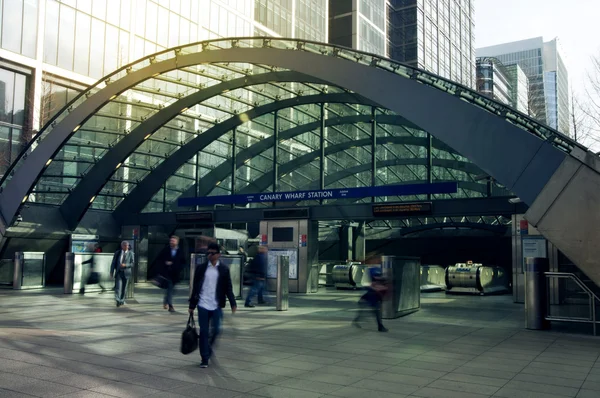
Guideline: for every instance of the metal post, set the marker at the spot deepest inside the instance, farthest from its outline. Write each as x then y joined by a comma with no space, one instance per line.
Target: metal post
429,163
283,273
275,152
373,148
69,267
535,293
322,150
18,271
192,271
233,161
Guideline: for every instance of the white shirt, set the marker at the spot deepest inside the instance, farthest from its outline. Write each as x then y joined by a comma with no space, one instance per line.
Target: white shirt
208,294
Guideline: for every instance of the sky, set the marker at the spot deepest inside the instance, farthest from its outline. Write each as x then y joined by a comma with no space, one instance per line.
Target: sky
576,23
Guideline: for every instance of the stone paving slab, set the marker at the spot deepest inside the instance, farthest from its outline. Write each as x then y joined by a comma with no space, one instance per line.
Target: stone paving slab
54,345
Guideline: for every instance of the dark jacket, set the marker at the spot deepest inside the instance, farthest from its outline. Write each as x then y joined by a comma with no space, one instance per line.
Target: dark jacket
224,286
128,260
173,271
258,266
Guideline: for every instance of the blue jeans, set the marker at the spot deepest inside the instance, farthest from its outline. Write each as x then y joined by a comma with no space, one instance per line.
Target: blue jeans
257,287
208,337
169,294
120,287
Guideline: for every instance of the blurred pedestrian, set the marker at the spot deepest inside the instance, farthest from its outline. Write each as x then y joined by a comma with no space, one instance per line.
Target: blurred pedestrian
372,299
241,252
257,271
212,283
121,269
171,261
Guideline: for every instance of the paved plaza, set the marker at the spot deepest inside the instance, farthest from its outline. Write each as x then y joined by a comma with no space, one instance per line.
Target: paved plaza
54,345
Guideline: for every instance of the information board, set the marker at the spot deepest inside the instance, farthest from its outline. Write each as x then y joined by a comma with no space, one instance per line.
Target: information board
272,262
403,209
533,246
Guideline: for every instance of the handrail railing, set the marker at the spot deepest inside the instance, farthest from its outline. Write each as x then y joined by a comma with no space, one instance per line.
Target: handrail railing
592,297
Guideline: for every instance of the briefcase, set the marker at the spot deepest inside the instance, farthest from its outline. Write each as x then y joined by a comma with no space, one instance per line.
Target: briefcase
189,337
160,281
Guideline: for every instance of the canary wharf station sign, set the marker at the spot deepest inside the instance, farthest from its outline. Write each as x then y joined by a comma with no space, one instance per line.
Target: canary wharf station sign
318,194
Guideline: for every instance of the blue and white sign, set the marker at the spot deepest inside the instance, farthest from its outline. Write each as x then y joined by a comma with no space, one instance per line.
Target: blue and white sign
318,194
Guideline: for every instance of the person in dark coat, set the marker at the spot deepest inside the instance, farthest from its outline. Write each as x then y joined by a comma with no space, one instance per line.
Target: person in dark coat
212,283
257,270
170,262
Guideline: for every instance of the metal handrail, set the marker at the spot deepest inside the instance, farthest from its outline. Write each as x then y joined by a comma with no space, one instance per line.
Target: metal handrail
591,296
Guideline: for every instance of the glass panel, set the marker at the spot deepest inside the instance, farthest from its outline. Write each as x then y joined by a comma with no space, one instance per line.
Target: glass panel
82,43
12,25
97,42
30,21
66,38
51,33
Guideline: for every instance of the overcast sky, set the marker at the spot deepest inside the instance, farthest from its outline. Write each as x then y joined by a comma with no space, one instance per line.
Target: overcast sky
575,22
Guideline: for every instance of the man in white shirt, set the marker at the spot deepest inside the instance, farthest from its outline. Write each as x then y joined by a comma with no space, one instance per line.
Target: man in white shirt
212,283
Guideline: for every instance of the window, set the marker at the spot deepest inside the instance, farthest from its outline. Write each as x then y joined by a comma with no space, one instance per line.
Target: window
66,37
96,56
51,33
11,25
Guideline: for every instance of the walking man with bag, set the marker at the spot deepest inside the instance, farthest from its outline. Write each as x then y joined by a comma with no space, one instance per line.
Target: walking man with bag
120,269
212,283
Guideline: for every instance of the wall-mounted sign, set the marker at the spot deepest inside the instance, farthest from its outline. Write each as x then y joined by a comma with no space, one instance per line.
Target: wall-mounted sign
318,194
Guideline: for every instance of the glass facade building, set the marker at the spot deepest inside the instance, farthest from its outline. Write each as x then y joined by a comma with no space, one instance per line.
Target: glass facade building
493,81
359,24
548,77
435,35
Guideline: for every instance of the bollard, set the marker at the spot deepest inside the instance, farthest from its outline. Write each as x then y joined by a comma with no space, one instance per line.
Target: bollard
535,293
69,266
18,271
283,273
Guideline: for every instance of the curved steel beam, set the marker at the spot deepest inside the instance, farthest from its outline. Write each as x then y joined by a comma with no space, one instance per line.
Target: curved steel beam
78,201
483,137
263,182
207,183
144,191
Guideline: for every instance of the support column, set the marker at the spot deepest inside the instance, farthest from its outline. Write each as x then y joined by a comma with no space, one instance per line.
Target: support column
142,254
360,242
233,162
322,149
373,148
275,152
345,243
429,163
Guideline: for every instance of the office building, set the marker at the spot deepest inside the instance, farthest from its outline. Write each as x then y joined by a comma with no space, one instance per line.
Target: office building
359,24
548,77
507,84
437,36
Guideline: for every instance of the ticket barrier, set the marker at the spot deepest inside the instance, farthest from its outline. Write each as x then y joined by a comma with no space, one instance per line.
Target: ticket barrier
29,270
350,276
402,274
326,274
79,266
433,278
233,261
476,279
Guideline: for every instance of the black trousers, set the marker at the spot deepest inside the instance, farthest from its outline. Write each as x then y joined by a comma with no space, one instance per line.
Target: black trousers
374,309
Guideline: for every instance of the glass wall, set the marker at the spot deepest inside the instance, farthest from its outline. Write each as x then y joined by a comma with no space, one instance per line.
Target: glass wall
14,109
18,26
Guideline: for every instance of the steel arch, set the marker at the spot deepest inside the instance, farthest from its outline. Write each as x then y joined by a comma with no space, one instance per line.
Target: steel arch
78,201
144,191
478,134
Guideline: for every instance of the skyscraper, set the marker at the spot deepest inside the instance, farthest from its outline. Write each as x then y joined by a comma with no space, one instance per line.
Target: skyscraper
437,36
359,24
507,84
548,78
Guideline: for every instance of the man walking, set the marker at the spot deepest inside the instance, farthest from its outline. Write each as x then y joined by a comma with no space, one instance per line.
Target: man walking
212,282
120,269
258,272
171,262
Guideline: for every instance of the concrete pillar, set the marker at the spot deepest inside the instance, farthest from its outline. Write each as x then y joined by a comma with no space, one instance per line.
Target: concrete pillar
346,243
359,242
